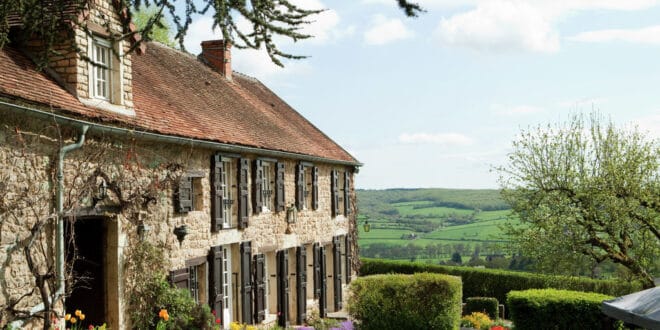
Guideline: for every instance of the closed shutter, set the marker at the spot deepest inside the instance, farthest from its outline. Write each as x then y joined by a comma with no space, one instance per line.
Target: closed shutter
244,195
317,270
258,186
283,288
184,195
301,284
323,297
246,282
336,266
215,280
347,190
335,193
349,257
217,193
180,278
300,186
280,187
315,188
260,287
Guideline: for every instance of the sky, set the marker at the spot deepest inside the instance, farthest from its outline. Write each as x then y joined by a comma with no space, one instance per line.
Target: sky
436,101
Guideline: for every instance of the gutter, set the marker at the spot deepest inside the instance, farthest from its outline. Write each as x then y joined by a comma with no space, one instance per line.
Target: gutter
156,137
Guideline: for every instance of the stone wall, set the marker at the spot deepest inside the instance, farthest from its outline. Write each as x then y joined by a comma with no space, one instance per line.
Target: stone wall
141,176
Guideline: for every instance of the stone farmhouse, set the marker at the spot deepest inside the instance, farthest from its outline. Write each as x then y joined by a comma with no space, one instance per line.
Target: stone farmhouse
253,205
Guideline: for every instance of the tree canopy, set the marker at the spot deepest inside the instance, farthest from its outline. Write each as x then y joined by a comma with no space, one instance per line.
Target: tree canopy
267,19
586,189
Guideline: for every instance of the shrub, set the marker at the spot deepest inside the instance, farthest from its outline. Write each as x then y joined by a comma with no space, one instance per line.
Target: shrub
421,301
556,309
479,282
487,305
476,320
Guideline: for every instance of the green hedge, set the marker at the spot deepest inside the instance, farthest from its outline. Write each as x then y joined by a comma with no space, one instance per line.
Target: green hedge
419,301
480,282
486,305
556,309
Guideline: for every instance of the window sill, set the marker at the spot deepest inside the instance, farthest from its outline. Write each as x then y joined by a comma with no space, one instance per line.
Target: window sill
107,106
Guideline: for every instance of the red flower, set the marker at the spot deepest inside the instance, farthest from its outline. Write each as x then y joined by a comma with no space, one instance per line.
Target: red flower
217,321
498,327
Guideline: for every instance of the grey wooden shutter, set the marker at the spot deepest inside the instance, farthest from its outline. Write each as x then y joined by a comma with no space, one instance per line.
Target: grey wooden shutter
349,257
283,288
246,282
347,190
317,270
280,187
315,188
300,186
180,278
184,195
217,193
260,287
258,185
244,196
323,297
335,192
216,295
336,267
301,284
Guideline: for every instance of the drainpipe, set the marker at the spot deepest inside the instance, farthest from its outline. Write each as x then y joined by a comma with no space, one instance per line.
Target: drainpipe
60,208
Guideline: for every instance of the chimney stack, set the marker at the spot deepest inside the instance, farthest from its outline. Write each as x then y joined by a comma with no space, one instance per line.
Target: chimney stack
217,54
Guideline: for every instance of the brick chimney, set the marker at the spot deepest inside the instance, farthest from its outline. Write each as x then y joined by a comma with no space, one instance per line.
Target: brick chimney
217,54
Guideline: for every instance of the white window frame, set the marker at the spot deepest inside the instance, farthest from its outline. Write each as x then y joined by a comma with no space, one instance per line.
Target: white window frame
267,186
102,57
226,284
228,179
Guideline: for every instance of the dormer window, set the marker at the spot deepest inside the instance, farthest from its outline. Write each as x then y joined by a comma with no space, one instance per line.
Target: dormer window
101,69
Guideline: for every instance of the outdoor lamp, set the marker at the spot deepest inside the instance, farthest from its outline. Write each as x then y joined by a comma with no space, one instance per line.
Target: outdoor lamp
181,233
103,190
291,214
366,226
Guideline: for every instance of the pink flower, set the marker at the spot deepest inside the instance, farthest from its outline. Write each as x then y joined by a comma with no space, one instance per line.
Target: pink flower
90,327
213,312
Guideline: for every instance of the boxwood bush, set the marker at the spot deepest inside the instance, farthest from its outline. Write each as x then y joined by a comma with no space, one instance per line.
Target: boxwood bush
556,309
479,282
419,301
487,305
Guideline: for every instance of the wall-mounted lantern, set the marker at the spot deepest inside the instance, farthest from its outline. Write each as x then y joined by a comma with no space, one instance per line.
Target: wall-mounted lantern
143,230
291,214
181,232
366,226
103,190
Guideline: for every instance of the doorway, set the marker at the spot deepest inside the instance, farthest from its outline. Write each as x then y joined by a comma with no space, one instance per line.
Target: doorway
86,245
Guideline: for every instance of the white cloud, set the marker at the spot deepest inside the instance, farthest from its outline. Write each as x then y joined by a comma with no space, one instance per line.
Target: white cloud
647,35
520,25
519,110
649,124
500,25
427,3
586,103
445,139
385,30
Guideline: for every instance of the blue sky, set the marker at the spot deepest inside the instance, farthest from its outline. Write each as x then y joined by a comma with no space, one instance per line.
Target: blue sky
436,101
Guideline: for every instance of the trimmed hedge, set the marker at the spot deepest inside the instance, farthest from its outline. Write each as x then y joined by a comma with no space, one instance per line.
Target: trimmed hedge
486,305
556,309
480,282
418,301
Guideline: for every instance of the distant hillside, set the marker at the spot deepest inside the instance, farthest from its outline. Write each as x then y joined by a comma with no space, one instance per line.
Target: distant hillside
375,202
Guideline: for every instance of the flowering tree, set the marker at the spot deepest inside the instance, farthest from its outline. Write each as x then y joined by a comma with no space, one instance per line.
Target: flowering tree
586,189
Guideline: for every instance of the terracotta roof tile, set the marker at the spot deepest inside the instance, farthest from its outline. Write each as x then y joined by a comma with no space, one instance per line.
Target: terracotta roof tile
176,94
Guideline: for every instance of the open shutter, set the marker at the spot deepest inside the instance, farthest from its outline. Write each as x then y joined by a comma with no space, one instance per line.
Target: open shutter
335,192
301,284
283,288
260,287
180,278
317,270
347,191
336,267
323,297
315,188
280,187
215,280
349,257
184,195
244,197
246,282
217,193
258,185
300,186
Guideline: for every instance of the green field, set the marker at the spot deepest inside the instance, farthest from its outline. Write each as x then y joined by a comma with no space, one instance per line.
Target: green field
453,223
